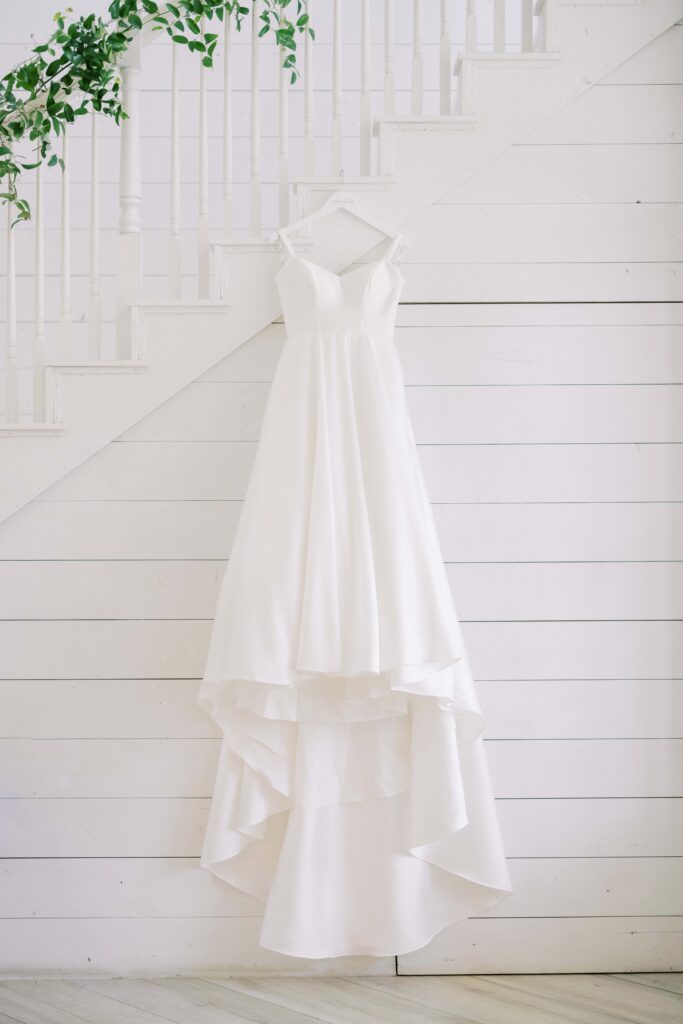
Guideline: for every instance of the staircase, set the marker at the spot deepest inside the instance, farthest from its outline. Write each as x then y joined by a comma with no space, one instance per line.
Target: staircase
489,96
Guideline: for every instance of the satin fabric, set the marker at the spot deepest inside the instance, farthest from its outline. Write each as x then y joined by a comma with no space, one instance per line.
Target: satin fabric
352,792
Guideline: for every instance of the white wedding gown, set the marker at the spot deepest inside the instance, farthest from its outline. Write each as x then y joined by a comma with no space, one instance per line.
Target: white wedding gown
352,792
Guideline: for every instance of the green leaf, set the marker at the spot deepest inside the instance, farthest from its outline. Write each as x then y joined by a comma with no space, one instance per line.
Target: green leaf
179,39
207,62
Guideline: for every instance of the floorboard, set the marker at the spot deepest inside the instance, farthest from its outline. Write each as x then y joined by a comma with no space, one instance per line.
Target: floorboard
463,999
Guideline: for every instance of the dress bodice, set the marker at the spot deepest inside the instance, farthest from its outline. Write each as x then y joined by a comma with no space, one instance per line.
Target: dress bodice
315,299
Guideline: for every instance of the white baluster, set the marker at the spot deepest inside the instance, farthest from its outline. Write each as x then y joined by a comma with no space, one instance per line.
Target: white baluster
39,300
365,99
471,27
283,140
175,287
11,413
203,224
418,70
129,277
255,183
94,312
389,75
337,129
65,261
527,25
445,64
227,128
499,26
309,138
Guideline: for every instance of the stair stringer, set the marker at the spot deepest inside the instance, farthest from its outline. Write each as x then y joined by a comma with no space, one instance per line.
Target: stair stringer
429,160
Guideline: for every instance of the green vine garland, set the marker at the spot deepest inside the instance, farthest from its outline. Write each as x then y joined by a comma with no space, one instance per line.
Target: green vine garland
76,70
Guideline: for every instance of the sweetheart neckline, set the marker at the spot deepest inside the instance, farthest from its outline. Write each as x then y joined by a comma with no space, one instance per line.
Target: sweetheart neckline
340,277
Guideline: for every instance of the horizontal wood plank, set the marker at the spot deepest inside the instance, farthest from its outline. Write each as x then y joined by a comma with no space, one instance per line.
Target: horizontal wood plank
229,946
495,472
497,650
165,708
186,767
590,827
442,414
180,887
478,532
483,592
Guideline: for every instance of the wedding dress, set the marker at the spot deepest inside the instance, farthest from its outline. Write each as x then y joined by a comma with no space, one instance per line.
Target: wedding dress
352,793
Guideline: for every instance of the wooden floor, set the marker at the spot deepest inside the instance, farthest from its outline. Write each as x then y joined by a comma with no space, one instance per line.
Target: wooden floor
485,999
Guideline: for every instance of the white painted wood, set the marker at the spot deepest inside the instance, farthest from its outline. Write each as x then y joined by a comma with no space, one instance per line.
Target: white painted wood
255,133
540,999
207,946
553,233
116,887
283,139
365,112
534,999
186,767
499,34
564,944
606,120
309,98
471,29
228,201
129,273
483,592
11,402
158,947
38,346
468,532
533,829
524,472
445,60
626,43
389,58
455,414
417,70
175,255
165,708
65,256
95,308
337,129
561,282
527,10
176,887
499,650
203,183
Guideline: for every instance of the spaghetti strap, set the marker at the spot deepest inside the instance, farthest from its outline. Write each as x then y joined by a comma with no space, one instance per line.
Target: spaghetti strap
395,242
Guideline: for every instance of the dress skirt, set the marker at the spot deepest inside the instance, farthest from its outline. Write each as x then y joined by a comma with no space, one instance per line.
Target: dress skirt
352,792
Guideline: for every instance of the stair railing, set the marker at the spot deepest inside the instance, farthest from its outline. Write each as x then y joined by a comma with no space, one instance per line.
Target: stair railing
82,312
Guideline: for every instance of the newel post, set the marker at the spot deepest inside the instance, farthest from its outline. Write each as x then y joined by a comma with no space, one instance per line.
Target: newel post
129,269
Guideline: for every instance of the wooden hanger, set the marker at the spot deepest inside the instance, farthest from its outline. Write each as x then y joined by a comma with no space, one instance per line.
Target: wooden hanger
341,200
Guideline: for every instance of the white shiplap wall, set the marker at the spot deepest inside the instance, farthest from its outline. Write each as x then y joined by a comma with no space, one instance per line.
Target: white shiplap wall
543,352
